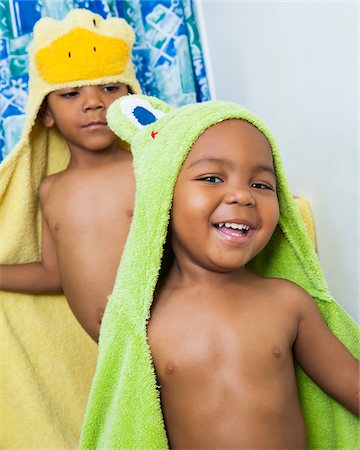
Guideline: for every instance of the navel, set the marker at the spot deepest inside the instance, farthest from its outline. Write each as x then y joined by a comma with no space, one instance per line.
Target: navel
56,228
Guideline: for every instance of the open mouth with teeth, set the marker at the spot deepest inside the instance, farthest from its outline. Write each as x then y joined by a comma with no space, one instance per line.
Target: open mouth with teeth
233,229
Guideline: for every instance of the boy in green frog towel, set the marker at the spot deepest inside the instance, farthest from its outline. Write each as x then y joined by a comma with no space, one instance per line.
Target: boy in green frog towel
202,357
77,67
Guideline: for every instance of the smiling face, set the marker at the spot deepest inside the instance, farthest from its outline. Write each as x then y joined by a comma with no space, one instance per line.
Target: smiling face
80,115
225,206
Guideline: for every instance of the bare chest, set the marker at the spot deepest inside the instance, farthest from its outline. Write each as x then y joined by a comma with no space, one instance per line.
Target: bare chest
99,207
230,341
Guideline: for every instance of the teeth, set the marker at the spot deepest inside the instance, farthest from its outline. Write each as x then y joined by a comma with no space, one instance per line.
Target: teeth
234,226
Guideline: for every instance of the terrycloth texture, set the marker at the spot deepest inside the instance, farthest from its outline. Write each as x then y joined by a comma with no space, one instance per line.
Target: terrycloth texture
124,408
47,360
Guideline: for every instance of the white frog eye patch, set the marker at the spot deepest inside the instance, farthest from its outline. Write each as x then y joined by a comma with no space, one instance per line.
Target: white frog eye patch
139,111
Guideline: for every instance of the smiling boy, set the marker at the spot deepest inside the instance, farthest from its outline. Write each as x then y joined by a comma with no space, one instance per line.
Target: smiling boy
198,350
226,387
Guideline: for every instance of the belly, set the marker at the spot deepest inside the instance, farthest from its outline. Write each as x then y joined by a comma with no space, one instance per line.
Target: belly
88,271
216,413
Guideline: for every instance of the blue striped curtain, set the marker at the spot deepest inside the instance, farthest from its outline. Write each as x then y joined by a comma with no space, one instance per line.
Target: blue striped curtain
167,53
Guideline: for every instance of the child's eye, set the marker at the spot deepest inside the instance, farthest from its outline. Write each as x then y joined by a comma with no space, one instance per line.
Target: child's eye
261,186
211,179
70,94
112,88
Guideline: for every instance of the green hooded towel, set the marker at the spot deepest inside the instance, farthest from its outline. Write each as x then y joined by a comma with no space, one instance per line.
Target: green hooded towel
124,409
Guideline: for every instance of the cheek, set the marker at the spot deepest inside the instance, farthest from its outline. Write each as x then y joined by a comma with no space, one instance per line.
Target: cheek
192,204
273,215
186,213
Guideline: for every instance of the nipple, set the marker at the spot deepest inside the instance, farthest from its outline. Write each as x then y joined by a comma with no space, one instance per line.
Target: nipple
170,368
276,352
130,213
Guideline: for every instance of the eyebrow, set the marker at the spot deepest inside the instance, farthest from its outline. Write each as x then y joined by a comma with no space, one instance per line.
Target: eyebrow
223,162
230,164
263,168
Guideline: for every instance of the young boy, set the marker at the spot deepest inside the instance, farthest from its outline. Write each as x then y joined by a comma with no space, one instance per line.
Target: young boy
87,207
77,67
222,336
210,305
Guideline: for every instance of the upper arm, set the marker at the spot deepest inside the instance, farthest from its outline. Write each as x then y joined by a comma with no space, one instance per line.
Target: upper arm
324,358
48,250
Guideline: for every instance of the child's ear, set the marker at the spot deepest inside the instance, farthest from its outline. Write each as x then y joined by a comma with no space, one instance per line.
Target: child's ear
46,116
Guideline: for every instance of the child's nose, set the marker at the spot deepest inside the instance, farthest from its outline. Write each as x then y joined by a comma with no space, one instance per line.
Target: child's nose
242,195
92,98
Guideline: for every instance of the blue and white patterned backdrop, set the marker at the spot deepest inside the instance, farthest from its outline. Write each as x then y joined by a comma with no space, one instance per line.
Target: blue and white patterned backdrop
167,53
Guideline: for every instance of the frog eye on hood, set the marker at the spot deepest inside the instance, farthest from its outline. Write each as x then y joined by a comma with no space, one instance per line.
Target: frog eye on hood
139,111
128,115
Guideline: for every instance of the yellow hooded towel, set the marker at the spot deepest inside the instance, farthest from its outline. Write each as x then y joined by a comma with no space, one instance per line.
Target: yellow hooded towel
47,360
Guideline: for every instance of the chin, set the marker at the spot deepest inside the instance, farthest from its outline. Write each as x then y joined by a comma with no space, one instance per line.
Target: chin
226,266
231,268
231,262
98,149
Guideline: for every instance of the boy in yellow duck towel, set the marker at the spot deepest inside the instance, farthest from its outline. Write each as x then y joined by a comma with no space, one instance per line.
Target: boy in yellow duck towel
78,66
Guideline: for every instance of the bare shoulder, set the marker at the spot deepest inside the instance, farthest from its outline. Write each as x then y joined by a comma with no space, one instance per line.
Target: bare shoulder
46,186
51,192
290,293
282,285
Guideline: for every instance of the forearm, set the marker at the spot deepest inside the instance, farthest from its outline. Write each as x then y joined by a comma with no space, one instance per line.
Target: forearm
31,278
354,406
349,394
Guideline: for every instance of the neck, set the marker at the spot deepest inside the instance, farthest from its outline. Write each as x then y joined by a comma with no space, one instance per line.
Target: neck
186,273
80,158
